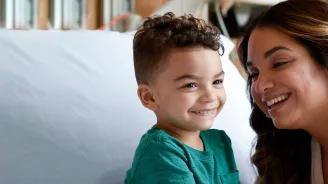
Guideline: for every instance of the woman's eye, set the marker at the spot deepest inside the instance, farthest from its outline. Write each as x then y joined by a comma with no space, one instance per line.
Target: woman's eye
217,82
253,76
190,85
278,64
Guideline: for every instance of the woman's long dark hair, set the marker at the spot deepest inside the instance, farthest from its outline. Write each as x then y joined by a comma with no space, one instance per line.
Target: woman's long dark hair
284,156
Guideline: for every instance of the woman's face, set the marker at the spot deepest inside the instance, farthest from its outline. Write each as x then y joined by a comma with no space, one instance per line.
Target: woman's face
288,85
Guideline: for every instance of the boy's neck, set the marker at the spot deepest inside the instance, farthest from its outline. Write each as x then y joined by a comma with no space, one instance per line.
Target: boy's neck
190,138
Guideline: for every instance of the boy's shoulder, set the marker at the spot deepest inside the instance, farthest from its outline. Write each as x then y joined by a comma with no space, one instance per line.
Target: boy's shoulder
159,155
156,138
156,142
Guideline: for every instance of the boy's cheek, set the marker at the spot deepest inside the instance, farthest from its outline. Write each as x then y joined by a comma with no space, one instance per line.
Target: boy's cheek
222,99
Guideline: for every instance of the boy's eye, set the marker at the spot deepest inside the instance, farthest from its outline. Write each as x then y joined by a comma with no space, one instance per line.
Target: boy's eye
190,85
216,82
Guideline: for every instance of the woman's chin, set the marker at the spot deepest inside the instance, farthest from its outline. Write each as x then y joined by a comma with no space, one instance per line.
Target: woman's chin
284,123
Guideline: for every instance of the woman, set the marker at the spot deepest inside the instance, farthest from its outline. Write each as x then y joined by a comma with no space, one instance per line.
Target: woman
285,54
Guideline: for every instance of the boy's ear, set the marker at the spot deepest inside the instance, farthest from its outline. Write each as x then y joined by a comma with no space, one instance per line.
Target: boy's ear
146,97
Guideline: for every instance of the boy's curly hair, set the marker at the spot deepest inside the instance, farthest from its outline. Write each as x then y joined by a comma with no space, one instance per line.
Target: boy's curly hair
158,35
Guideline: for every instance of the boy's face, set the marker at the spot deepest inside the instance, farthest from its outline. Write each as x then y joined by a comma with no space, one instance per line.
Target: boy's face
189,93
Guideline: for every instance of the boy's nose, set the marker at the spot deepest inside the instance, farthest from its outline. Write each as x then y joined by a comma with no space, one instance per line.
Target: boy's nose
208,96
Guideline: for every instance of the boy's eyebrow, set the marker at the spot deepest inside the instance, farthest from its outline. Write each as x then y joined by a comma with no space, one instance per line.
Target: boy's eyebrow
219,74
190,76
186,76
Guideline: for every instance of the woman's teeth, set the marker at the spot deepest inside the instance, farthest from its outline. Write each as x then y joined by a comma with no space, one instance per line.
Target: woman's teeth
276,100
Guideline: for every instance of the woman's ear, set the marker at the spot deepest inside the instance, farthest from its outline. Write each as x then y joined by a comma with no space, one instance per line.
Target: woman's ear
146,97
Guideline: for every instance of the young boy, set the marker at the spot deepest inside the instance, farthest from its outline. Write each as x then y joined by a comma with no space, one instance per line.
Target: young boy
180,78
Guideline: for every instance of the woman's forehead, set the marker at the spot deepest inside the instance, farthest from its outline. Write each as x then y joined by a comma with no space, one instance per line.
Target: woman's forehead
264,42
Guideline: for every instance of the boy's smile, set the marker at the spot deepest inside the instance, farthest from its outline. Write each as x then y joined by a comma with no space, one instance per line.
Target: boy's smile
205,112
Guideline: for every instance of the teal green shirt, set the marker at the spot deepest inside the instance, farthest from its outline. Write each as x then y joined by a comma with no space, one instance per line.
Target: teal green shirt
161,158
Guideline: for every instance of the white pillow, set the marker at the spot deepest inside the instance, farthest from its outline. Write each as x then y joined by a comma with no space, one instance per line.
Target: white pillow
69,112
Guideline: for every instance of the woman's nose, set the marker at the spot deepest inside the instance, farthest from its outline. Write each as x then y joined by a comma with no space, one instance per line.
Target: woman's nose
263,83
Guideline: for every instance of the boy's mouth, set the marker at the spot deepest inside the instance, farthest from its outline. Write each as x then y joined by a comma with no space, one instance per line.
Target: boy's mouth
205,112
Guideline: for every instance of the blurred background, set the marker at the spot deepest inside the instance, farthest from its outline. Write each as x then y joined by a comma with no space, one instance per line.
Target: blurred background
124,15
230,16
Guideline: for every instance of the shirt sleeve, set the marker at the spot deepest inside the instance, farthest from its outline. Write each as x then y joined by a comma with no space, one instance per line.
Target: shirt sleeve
163,163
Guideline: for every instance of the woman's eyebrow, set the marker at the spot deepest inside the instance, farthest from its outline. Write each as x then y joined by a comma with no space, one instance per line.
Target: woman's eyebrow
274,49
269,53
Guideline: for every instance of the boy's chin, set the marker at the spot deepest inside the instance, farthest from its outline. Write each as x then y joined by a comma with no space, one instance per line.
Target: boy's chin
205,125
